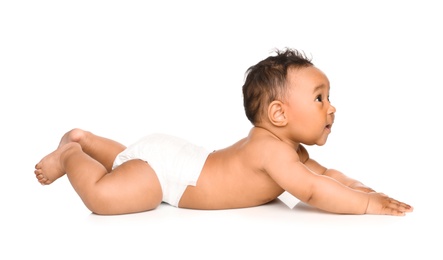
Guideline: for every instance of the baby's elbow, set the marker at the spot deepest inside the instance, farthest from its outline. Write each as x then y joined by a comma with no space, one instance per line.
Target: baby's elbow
308,199
307,196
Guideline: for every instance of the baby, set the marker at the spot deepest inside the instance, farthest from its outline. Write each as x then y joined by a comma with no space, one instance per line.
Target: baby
286,98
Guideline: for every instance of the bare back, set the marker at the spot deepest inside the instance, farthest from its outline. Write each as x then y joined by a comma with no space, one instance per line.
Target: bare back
233,177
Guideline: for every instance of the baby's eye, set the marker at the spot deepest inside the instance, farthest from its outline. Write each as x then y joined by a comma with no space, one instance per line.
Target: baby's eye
319,98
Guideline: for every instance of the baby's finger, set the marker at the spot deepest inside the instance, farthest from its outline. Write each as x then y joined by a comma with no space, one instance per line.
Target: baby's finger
399,206
395,212
406,207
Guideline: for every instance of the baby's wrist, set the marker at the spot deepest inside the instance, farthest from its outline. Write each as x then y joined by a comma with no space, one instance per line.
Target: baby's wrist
366,203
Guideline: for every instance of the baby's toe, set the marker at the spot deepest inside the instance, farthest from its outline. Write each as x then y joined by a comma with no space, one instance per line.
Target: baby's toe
42,180
38,172
37,166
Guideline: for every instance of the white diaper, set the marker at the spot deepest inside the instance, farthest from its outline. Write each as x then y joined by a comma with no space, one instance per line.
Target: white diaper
176,162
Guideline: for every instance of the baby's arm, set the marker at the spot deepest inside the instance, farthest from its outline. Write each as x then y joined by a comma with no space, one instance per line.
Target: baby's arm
378,203
323,191
337,175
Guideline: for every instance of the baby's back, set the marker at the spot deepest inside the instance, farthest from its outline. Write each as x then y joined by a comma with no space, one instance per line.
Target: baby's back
232,178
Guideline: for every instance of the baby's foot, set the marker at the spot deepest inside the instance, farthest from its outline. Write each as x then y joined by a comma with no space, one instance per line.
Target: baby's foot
50,167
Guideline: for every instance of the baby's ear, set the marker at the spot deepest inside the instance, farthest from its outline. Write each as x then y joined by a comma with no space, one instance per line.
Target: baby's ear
276,113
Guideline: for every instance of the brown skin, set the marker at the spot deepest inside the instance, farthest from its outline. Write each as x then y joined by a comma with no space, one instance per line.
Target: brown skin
251,172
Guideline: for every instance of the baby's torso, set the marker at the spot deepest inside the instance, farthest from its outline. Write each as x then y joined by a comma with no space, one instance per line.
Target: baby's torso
231,178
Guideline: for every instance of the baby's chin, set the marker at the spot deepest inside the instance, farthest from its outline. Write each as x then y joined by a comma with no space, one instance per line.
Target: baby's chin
321,143
315,143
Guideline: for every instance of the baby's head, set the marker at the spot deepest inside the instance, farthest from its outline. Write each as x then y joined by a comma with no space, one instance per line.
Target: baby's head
266,81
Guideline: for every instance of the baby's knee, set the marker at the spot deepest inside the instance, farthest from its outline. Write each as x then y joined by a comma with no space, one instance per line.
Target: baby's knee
99,203
105,202
76,134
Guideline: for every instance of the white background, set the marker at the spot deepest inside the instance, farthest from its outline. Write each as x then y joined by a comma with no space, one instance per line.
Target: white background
123,69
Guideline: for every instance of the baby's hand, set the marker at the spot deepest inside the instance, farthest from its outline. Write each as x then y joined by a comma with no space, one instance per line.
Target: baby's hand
380,204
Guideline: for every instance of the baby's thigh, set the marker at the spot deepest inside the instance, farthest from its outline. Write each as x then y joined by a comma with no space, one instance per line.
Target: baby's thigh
131,187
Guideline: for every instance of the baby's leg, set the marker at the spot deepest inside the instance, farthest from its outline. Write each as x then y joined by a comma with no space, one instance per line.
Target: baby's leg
102,149
131,187
99,148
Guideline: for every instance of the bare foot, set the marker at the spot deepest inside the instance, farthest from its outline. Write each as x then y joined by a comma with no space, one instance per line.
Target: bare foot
50,168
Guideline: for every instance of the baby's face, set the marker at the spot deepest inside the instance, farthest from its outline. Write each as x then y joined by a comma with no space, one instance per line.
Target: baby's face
309,113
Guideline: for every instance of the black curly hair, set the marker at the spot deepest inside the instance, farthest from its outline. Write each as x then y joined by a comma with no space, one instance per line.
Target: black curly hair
265,81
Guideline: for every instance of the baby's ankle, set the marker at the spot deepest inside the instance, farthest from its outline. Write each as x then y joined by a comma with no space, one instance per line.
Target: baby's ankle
67,149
